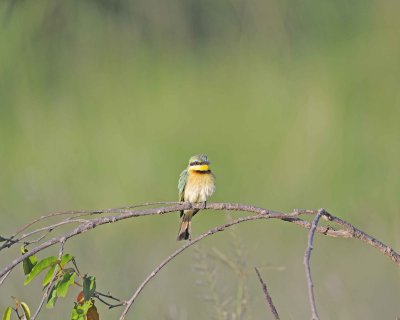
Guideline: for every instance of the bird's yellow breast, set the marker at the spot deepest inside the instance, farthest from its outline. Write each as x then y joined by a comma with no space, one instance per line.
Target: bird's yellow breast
199,186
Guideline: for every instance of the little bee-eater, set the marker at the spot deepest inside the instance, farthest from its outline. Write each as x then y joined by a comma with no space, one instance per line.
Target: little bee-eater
196,183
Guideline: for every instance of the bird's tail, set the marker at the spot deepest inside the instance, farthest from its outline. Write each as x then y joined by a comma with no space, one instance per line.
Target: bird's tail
186,224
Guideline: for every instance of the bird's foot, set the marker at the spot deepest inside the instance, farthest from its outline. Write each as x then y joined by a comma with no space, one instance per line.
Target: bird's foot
205,204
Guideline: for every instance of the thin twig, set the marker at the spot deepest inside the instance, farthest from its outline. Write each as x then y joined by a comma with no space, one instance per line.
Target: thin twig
46,230
4,277
76,267
307,257
108,295
268,297
8,242
49,229
88,212
99,296
53,279
76,213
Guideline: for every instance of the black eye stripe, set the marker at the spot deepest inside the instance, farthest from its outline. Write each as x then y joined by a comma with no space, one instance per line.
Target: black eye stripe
196,163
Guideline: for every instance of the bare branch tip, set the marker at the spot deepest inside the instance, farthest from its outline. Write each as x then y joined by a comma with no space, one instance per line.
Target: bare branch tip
268,297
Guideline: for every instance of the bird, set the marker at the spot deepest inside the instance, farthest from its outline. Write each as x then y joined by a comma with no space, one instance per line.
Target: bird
196,183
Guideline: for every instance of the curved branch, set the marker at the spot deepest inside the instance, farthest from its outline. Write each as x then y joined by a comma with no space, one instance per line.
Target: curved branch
78,213
349,230
183,248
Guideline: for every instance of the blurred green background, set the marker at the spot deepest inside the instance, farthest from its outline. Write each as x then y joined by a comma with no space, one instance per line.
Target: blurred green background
297,105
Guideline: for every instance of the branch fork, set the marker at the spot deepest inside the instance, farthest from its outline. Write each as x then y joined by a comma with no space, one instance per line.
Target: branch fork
94,219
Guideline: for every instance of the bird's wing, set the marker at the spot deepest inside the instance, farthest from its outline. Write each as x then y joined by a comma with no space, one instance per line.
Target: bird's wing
181,185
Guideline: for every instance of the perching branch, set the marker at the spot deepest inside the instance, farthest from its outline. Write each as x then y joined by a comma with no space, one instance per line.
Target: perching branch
349,230
8,242
93,220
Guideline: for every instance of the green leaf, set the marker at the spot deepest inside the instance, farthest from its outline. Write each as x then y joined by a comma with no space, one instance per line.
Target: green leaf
79,311
64,284
7,314
39,267
27,312
65,259
77,314
29,262
51,300
49,275
89,286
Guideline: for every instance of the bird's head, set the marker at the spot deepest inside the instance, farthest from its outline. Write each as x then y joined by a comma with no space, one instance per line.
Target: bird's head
199,162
